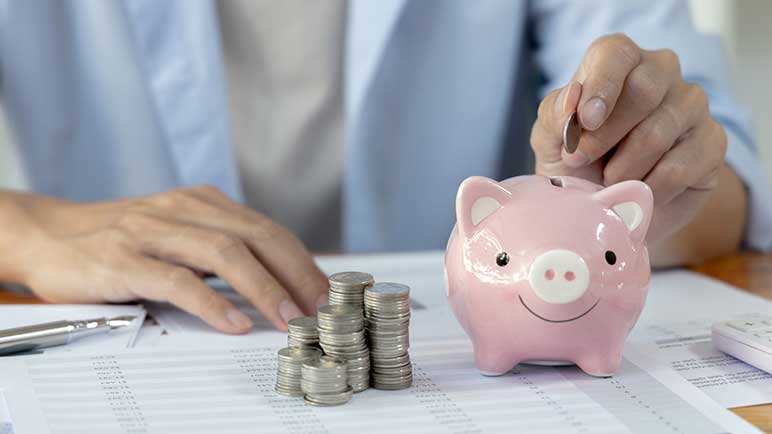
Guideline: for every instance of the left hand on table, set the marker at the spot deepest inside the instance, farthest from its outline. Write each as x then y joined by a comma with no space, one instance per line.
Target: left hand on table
641,121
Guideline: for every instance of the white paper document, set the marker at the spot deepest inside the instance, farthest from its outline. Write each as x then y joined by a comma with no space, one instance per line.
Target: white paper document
674,327
674,330
19,315
230,390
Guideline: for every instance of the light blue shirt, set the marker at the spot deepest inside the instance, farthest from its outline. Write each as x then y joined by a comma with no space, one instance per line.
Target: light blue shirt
119,98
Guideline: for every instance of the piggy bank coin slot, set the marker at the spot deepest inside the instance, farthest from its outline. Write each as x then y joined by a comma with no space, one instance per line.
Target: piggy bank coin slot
557,182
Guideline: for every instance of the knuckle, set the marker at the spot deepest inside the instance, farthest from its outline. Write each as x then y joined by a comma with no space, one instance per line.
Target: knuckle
115,235
644,89
209,190
132,221
619,44
697,97
228,246
171,199
670,59
653,139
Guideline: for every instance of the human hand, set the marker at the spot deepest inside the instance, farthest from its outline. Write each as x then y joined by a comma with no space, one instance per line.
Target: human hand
641,121
157,247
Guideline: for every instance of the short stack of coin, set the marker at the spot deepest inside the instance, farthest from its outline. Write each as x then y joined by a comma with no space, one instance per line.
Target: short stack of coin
303,332
349,287
387,320
342,334
325,381
289,374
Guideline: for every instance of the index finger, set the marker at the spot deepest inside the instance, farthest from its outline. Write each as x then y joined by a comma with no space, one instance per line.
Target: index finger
602,73
547,132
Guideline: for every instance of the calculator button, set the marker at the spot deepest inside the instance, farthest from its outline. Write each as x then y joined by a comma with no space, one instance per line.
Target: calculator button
746,325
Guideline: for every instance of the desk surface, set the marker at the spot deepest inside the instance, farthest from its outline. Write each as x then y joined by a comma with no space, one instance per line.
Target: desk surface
752,272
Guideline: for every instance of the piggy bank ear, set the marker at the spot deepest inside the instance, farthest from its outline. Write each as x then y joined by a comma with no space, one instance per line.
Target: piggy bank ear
632,202
478,197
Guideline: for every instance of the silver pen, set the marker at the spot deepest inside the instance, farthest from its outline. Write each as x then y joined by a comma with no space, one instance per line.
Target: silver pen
56,333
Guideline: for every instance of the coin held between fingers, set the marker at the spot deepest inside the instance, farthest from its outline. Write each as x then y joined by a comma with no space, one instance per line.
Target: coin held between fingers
572,131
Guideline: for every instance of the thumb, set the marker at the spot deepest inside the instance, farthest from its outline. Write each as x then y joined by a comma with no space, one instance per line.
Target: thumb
547,132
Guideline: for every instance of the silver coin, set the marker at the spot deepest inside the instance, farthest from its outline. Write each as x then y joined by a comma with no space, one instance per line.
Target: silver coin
329,399
288,392
341,311
303,322
572,132
298,354
392,372
324,363
351,278
387,290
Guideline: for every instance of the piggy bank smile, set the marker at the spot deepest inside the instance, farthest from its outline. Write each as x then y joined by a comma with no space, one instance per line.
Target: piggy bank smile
549,270
544,318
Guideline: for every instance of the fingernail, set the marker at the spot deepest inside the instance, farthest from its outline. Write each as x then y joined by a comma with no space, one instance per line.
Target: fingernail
593,113
238,319
288,310
322,300
560,101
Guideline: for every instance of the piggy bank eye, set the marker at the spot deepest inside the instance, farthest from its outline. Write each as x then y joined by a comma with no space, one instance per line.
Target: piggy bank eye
502,259
611,257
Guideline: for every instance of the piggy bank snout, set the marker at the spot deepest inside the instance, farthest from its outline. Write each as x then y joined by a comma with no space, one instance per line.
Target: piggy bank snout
559,276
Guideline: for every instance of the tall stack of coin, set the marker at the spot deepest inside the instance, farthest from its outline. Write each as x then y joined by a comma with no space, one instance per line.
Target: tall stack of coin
303,332
349,287
387,319
325,381
342,334
289,373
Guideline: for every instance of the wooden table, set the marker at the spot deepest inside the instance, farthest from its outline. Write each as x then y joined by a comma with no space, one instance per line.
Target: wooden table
752,272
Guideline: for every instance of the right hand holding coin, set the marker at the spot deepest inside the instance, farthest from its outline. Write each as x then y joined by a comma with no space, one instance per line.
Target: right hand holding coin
639,120
157,247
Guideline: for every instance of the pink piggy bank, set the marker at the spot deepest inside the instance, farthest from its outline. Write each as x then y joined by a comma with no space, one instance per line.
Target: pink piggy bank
548,270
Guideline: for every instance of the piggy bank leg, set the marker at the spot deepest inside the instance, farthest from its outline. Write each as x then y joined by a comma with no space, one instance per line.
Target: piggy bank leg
601,364
492,361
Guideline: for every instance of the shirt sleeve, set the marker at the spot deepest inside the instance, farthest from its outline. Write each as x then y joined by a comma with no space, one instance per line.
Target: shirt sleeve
563,30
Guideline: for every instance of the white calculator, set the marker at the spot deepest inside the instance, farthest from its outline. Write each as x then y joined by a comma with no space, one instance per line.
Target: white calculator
749,340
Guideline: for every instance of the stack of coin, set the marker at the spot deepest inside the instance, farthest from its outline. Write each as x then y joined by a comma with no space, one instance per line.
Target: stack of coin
342,334
325,381
303,332
289,373
387,320
349,287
